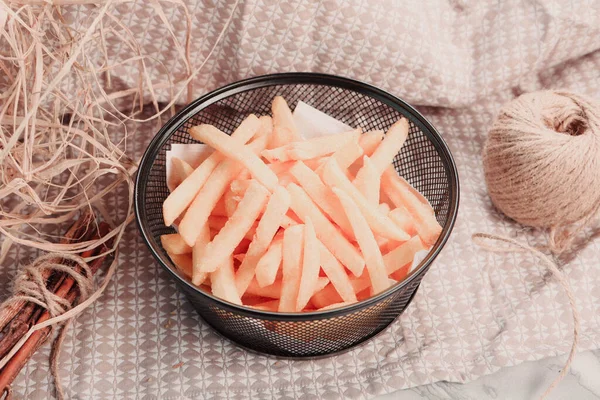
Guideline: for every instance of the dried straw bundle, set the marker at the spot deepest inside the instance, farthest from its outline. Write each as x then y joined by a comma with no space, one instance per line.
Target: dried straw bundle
65,122
62,134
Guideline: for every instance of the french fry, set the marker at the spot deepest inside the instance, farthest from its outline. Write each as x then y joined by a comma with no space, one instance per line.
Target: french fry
402,255
385,199
181,197
352,170
310,305
330,295
283,118
310,266
366,242
363,295
391,174
369,141
183,262
322,281
268,265
285,179
268,225
251,300
289,220
378,222
184,194
348,154
321,195
272,291
192,154
277,155
425,222
223,282
202,206
321,146
173,243
199,277
310,149
239,186
216,223
245,174
272,305
368,181
206,285
315,163
336,274
235,228
361,283
280,137
327,233
390,145
179,171
234,150
230,202
325,297
280,167
404,220
209,195
390,246
242,247
293,239
384,208
384,242
220,209
247,129
336,305
266,125
401,273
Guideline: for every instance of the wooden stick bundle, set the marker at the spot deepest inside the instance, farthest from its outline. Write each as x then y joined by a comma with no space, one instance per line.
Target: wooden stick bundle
17,317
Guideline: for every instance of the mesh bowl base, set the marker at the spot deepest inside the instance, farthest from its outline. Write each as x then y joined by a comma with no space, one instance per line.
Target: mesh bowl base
363,341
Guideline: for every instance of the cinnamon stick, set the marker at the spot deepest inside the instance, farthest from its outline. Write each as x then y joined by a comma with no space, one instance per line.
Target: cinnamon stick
74,233
30,312
38,338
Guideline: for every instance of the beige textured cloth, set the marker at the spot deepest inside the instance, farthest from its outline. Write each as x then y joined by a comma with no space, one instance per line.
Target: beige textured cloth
458,61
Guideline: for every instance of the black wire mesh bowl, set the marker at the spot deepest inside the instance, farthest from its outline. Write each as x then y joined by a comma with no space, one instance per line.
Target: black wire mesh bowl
424,161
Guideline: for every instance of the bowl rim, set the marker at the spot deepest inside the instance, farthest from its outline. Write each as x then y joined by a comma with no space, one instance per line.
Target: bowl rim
294,78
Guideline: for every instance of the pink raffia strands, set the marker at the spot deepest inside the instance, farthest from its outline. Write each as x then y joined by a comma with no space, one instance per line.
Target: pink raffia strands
67,123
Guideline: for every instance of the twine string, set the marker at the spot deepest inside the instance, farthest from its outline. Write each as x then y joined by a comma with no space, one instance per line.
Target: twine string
503,244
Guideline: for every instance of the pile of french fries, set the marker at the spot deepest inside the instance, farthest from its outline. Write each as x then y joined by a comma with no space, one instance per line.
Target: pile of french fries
273,221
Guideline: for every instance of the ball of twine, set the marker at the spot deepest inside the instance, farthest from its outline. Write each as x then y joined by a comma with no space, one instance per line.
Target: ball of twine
542,163
542,168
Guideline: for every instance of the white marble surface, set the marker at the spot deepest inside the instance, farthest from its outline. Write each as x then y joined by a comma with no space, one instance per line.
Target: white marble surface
525,381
